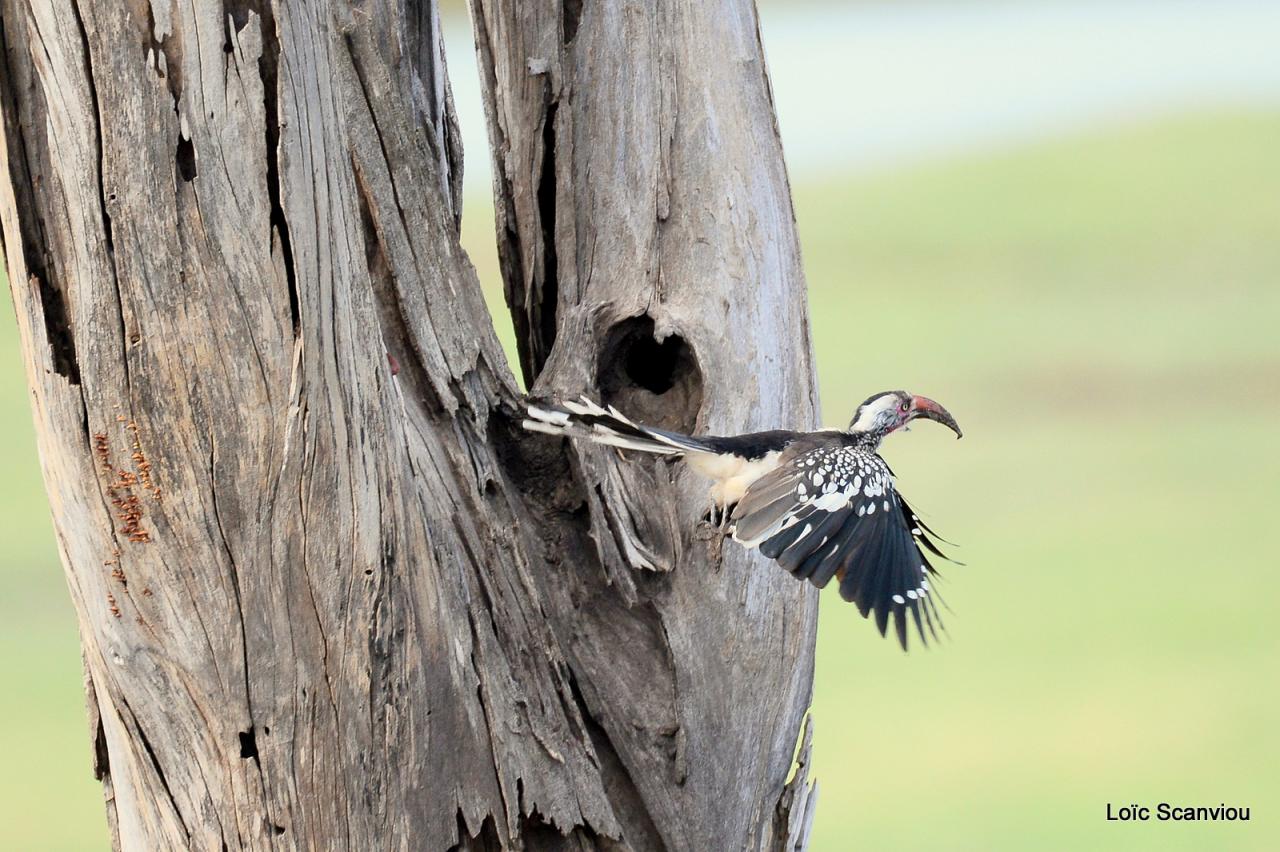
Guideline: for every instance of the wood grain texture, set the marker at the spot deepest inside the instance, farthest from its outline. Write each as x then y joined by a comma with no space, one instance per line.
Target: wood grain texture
642,197
329,595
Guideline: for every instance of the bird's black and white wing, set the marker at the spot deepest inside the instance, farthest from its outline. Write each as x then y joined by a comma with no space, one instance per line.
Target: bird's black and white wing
833,512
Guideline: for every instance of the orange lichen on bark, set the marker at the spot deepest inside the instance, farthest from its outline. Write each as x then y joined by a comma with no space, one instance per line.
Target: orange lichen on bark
120,484
140,462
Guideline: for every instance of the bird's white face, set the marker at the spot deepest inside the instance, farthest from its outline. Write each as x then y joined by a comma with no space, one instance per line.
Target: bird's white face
889,411
882,413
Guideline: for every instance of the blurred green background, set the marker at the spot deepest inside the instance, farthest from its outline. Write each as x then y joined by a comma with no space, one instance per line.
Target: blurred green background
1100,308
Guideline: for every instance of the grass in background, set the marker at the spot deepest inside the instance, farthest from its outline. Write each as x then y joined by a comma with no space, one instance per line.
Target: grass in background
1101,315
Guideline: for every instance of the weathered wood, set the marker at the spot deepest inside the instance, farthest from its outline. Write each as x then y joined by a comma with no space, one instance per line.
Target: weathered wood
647,242
329,595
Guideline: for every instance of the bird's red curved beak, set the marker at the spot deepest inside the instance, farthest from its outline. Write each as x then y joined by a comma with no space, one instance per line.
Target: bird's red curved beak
924,407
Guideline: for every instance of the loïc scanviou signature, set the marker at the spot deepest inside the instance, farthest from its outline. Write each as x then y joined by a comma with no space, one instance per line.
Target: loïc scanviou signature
1165,812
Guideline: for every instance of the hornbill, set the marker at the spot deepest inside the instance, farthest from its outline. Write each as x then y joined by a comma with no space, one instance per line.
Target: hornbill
822,504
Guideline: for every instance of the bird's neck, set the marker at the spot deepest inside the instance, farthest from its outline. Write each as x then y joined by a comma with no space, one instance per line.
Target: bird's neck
867,438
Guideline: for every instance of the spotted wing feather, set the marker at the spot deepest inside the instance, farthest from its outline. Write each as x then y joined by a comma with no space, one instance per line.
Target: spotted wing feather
833,513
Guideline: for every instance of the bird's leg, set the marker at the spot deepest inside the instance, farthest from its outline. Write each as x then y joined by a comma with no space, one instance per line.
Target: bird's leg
713,532
716,521
726,513
709,523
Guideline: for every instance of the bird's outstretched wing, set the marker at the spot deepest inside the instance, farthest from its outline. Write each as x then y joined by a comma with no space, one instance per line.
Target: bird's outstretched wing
834,512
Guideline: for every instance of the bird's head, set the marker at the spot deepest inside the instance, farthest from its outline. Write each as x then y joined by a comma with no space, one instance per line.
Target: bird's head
891,410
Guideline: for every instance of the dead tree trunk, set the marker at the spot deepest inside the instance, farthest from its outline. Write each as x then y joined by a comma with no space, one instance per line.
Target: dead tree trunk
329,595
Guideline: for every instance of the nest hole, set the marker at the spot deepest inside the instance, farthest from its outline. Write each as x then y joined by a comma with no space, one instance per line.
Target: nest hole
248,745
655,381
186,157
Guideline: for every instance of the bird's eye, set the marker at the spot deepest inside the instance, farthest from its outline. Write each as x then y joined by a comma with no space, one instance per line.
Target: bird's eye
905,407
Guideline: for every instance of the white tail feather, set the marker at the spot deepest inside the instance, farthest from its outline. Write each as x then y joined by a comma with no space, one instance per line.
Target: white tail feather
567,419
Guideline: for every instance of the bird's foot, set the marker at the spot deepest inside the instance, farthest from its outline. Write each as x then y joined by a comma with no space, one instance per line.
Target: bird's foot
716,523
709,526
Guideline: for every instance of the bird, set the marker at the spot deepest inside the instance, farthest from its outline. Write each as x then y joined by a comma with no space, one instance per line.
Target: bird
822,504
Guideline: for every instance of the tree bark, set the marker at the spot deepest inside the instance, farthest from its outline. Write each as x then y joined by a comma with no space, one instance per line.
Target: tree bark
330,595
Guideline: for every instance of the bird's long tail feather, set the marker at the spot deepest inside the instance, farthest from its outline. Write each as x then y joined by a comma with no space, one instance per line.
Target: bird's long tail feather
587,420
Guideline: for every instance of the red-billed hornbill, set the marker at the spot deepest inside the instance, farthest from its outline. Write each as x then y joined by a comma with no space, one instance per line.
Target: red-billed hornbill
822,504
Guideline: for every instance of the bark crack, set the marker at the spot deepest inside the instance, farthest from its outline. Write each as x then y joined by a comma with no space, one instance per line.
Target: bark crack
490,720
158,769
31,230
247,738
57,328
31,227
107,228
304,485
405,360
794,811
358,68
570,15
269,71
545,299
97,127
639,831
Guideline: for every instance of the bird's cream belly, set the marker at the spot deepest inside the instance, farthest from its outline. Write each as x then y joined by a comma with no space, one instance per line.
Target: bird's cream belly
732,475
